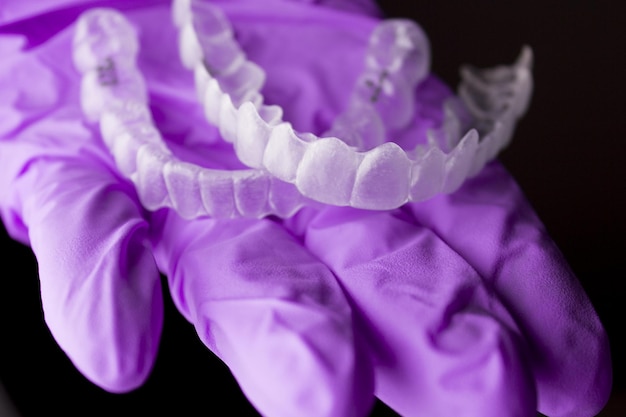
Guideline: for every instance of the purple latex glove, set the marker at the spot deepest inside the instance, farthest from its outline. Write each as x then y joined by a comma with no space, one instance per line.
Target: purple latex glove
467,305
286,334
430,315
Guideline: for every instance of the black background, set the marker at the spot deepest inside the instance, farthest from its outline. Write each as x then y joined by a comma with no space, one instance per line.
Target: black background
568,155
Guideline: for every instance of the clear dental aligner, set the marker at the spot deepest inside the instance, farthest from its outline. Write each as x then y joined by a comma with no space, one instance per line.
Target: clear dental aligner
114,94
326,170
360,171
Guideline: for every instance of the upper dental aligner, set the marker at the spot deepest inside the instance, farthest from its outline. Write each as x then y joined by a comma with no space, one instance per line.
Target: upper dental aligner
113,93
360,171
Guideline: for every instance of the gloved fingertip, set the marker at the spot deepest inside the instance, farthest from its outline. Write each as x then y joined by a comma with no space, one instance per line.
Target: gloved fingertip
102,302
115,376
290,359
117,357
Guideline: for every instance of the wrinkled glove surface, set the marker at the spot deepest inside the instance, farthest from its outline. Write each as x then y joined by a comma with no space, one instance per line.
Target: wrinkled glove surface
458,306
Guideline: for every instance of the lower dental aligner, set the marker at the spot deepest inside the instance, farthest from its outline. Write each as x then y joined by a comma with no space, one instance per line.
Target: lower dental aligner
362,169
288,169
114,94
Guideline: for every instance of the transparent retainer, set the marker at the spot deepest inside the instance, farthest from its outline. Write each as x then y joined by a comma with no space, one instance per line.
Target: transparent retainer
289,169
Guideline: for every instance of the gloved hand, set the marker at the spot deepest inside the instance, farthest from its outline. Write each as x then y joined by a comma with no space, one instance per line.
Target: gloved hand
435,301
467,305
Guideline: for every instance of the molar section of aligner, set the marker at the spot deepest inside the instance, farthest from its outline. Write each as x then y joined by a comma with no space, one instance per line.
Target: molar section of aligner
427,174
251,191
459,162
382,178
149,179
217,193
101,34
327,171
398,58
284,152
254,128
181,180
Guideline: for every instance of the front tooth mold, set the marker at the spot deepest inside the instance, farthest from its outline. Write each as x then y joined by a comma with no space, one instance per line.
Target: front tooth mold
381,179
283,152
327,171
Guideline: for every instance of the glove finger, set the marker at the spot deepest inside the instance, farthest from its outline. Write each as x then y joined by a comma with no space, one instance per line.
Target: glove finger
438,350
272,312
100,287
491,225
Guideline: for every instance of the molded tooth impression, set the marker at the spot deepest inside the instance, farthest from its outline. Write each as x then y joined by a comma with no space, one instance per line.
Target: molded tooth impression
289,167
382,172
327,171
